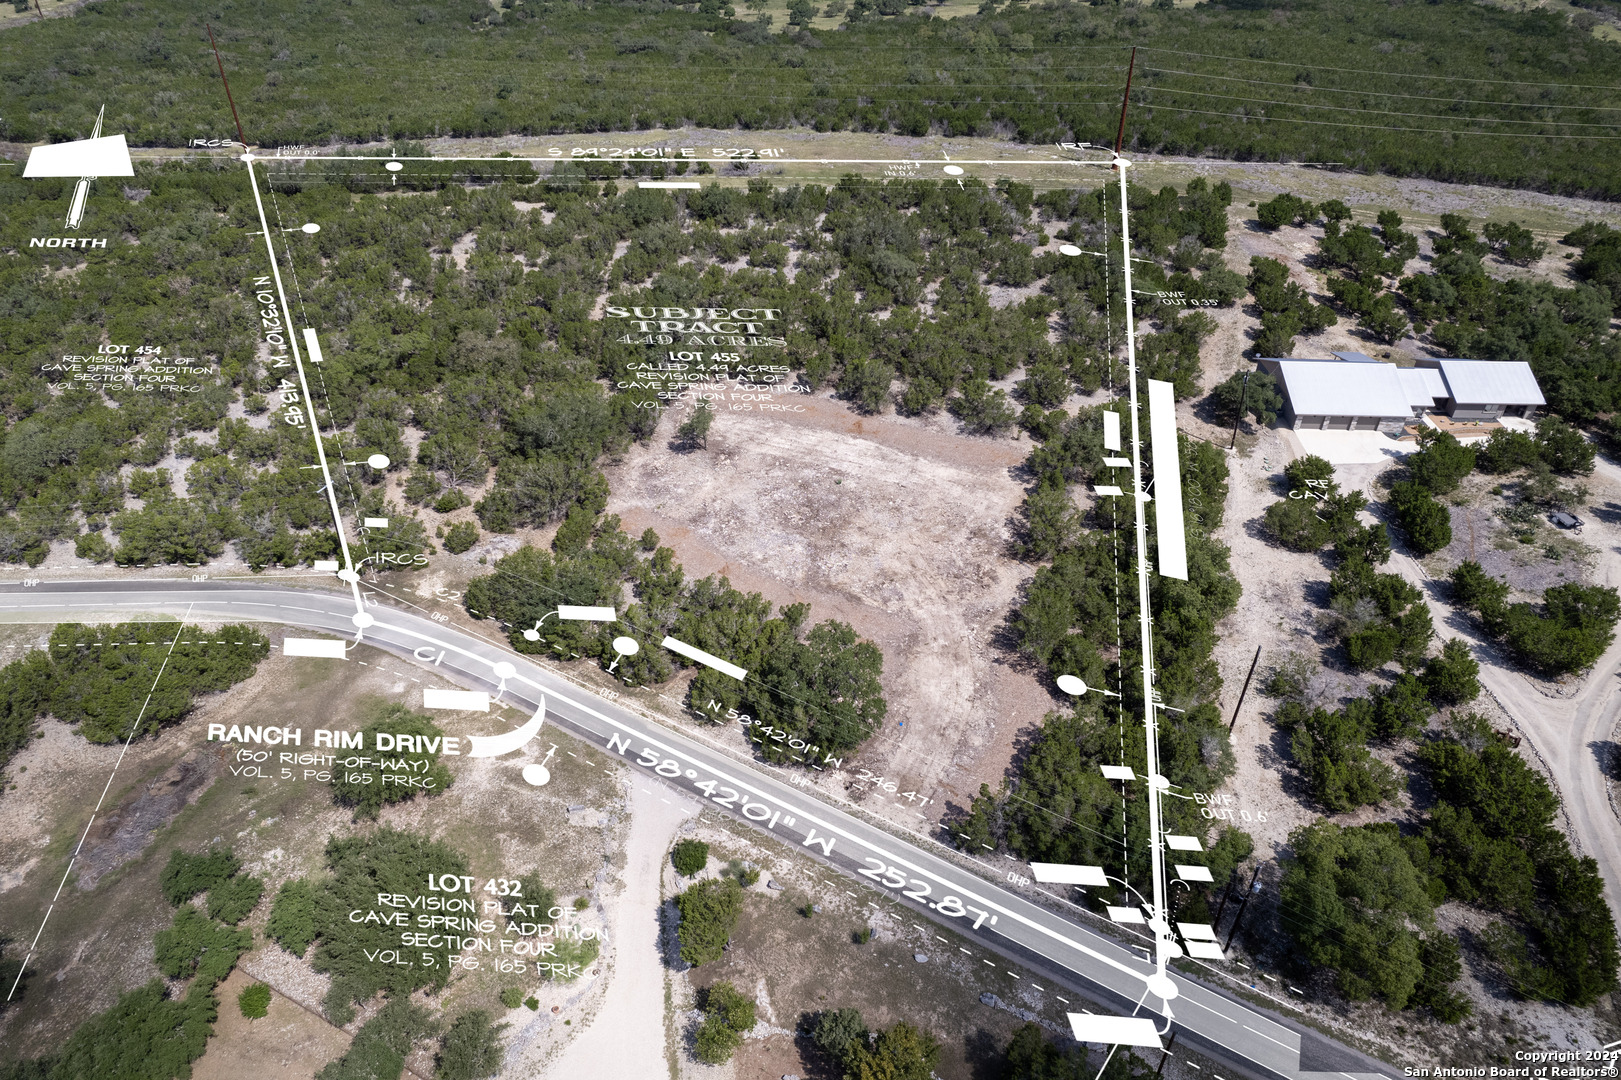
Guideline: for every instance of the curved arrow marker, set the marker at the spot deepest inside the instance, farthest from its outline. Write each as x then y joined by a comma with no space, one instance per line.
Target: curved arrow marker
496,745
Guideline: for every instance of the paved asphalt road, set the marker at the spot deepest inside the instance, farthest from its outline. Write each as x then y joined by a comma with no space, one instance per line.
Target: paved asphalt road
1250,1042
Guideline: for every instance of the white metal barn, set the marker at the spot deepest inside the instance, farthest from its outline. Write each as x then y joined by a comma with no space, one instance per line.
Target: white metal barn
1354,392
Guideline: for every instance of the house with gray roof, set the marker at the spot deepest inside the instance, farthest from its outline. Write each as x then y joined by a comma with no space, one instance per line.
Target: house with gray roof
1354,392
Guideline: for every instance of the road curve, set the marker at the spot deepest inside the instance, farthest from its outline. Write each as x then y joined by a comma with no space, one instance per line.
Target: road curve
1254,1043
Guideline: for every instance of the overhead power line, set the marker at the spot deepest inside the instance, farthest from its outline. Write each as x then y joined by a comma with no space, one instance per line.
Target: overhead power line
1372,112
1372,127
1380,74
1364,93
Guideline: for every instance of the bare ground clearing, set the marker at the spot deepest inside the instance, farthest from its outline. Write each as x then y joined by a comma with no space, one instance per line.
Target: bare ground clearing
899,527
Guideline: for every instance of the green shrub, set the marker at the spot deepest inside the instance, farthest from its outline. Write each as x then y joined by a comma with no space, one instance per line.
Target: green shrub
102,675
234,899
1441,463
837,1032
187,875
1563,449
709,912
902,1051
368,788
471,1048
1452,678
572,957
360,867
292,917
715,1041
1261,400
145,1029
728,1014
1473,588
511,997
254,1001
1330,749
380,1046
1309,473
1427,523
460,537
1350,897
1296,524
197,945
1507,451
1284,209
689,857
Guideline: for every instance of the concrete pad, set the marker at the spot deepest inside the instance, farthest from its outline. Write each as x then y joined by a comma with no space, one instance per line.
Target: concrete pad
1353,447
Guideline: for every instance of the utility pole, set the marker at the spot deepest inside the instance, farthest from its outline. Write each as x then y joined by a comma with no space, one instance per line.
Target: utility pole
1243,399
1244,691
1166,1056
1249,892
1120,136
1232,879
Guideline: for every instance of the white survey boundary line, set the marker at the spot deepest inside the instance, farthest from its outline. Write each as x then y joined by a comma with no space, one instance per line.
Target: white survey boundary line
304,383
135,726
380,158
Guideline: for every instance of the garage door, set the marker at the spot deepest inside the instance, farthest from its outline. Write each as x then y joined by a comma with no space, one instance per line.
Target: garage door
1338,423
1367,423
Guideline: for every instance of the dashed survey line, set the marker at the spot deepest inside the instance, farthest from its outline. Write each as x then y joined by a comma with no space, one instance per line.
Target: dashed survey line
135,726
109,644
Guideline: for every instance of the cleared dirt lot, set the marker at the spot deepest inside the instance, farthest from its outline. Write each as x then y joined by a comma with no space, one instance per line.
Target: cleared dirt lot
897,526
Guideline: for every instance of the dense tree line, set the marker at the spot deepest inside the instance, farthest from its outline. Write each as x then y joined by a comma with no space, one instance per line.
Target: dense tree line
1330,746
1362,900
534,67
99,677
1455,306
1491,838
1353,900
1075,619
818,686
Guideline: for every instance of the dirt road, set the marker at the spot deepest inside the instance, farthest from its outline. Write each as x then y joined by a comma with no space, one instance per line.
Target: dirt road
626,1035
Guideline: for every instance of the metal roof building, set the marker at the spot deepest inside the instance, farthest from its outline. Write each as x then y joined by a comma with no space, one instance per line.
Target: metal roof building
1487,389
1355,392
